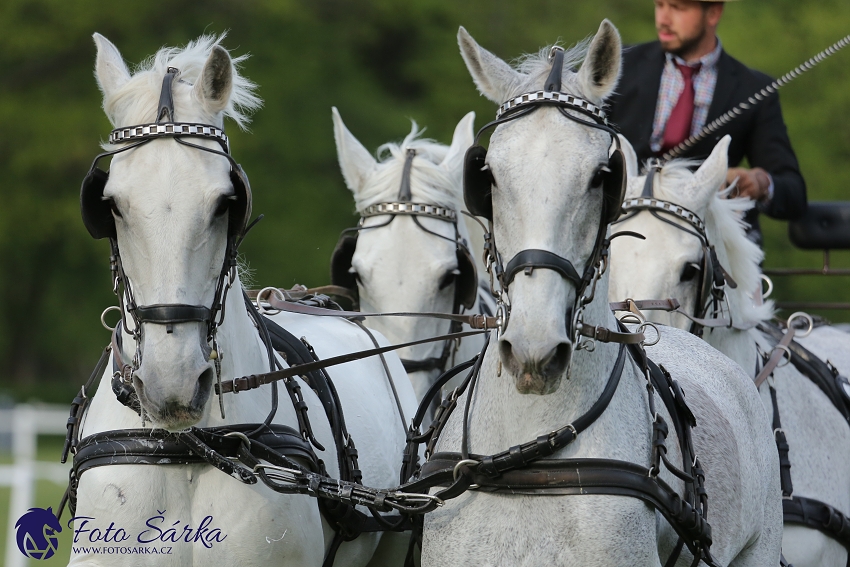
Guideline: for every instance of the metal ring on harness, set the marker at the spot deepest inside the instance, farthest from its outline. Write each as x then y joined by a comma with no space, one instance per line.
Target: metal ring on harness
805,316
270,290
103,315
242,436
769,282
461,463
646,324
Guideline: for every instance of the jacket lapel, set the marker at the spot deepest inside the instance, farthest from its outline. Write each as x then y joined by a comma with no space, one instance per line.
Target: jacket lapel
652,67
727,80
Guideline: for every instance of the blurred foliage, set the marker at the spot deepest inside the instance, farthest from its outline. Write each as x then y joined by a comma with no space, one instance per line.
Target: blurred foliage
381,62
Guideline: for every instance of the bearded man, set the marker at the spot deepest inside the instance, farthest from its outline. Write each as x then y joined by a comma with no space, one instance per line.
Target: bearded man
672,87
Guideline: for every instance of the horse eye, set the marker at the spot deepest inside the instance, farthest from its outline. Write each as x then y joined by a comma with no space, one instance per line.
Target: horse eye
689,272
223,205
354,273
449,278
115,210
599,176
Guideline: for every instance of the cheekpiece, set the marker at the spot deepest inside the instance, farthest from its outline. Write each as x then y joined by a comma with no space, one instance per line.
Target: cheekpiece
651,203
559,98
409,209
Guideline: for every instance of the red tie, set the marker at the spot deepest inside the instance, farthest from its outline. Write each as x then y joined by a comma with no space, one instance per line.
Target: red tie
679,124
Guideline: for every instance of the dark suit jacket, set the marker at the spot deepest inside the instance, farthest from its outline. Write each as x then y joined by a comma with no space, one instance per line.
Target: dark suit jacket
759,134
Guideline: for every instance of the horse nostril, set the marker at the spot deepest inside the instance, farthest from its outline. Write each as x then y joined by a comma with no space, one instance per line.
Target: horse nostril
557,362
506,353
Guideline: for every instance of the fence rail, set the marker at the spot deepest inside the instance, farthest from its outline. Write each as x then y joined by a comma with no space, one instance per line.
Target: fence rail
24,423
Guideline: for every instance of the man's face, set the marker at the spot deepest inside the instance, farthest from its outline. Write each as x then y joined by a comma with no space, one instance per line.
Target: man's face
681,25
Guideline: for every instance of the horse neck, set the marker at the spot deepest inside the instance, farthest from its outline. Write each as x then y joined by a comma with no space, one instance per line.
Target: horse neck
738,345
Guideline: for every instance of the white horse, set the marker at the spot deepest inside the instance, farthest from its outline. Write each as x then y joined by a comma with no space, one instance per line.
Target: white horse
419,263
663,266
534,380
169,205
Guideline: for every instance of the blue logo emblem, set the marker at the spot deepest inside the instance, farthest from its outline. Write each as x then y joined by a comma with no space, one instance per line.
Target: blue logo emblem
36,533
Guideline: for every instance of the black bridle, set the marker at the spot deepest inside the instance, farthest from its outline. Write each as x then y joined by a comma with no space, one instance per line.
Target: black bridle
528,260
465,275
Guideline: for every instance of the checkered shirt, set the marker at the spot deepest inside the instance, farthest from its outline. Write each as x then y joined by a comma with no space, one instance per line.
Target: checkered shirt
672,86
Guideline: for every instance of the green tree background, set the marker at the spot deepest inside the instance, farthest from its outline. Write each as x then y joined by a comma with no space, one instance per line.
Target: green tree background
382,62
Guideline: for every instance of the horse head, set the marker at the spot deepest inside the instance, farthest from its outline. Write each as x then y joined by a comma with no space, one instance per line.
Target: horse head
178,213
547,177
676,259
408,262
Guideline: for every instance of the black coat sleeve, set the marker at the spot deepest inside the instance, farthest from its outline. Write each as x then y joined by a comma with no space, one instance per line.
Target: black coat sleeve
768,147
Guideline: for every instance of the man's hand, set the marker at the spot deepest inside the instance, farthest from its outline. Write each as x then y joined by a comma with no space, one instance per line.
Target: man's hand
752,183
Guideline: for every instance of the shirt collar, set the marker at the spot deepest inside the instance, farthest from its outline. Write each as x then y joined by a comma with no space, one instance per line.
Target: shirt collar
706,61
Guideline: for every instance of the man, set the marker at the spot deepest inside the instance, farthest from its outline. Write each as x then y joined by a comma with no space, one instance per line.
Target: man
672,87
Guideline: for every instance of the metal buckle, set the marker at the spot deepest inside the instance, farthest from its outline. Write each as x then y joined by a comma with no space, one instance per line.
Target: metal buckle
807,318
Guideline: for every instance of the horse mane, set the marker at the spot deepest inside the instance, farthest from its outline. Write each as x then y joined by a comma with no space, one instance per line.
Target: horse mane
537,66
726,230
429,183
138,98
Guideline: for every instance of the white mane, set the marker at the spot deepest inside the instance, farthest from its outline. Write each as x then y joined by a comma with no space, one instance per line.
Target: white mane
429,183
136,101
726,230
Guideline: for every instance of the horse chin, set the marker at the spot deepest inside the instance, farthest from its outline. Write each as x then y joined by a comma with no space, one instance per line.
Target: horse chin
535,383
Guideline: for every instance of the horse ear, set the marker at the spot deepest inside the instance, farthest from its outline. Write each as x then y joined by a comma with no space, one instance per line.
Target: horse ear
355,161
494,78
215,85
110,70
600,71
461,141
711,175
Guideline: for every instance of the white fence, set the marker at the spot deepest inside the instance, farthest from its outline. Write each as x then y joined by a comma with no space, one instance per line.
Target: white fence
24,423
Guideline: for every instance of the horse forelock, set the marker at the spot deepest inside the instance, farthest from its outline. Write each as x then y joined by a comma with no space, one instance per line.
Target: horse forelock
429,182
136,101
537,66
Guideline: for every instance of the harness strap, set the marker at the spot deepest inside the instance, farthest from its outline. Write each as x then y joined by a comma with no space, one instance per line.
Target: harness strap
476,321
815,370
590,476
819,516
256,380
782,447
532,258
776,356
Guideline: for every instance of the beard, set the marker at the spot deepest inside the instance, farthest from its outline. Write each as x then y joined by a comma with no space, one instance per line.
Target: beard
686,45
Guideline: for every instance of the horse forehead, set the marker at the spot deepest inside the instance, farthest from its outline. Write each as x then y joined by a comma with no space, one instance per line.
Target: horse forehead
402,242
546,143
164,169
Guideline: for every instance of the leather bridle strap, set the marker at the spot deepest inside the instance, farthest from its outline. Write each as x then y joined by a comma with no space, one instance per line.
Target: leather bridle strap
776,356
532,258
172,313
256,380
476,321
819,516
